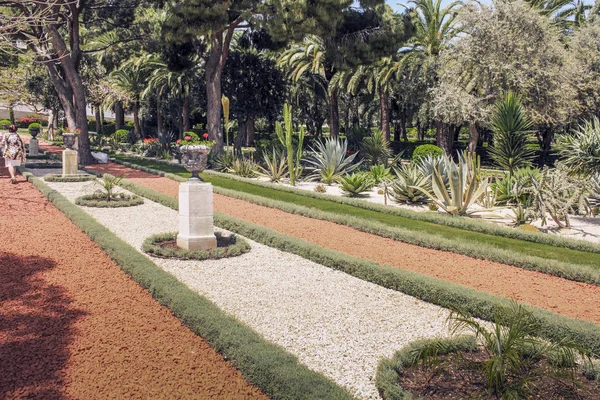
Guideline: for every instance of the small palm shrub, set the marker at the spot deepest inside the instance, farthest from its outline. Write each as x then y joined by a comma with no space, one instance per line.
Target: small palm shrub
328,161
404,189
242,167
511,126
379,173
354,185
580,151
375,149
427,150
513,352
275,168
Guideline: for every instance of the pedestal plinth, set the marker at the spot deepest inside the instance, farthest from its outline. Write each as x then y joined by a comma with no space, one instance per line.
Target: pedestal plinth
34,148
69,162
196,230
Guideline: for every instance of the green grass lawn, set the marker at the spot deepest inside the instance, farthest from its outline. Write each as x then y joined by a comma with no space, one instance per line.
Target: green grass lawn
515,245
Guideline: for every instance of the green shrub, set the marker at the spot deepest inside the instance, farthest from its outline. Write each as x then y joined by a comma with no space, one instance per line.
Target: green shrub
227,246
194,137
425,150
5,122
35,126
120,136
356,184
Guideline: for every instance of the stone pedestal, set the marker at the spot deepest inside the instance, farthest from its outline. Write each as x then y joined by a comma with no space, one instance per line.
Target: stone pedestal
196,230
34,148
69,162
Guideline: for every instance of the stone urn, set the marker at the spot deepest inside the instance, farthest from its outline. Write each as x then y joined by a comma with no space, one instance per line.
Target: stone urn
34,133
195,158
69,140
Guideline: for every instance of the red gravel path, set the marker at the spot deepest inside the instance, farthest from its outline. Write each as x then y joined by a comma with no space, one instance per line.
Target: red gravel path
572,299
74,326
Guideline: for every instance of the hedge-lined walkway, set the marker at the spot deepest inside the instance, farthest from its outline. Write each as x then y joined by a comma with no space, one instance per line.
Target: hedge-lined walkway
73,325
572,299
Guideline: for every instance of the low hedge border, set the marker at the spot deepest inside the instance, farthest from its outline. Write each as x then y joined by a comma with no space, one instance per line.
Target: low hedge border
386,378
432,290
68,178
441,219
575,272
231,246
96,200
43,165
275,371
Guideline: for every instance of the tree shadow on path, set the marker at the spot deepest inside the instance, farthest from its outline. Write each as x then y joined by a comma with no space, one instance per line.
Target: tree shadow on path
36,329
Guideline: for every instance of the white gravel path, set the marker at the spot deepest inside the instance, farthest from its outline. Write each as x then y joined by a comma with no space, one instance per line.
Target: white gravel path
336,324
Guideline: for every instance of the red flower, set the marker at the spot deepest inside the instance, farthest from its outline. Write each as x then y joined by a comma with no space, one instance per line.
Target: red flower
348,152
205,136
188,138
178,141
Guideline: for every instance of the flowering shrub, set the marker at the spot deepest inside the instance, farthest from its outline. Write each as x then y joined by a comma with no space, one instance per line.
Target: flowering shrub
150,140
191,138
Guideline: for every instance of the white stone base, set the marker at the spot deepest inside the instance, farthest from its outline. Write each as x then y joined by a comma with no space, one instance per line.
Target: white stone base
69,162
196,229
34,148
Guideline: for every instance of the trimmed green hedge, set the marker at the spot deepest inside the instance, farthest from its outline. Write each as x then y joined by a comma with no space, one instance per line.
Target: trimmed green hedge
99,201
68,178
432,290
388,369
266,365
231,246
576,272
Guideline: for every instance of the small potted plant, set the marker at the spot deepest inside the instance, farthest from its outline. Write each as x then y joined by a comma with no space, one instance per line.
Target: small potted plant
195,153
69,138
34,129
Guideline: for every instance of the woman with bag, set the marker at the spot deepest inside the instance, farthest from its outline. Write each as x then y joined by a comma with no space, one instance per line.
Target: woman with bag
14,151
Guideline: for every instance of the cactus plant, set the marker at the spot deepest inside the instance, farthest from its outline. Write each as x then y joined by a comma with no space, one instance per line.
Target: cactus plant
285,137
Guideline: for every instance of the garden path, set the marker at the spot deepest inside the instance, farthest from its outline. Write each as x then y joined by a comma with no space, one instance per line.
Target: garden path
73,325
569,298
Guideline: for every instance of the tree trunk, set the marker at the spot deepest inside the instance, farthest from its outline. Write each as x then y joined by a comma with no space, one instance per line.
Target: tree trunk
250,131
11,112
473,137
159,116
334,116
384,114
98,120
137,129
65,95
119,116
186,111
240,139
397,131
442,136
545,142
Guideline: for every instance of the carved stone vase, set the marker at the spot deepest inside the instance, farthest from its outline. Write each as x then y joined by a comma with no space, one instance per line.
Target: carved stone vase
69,140
195,159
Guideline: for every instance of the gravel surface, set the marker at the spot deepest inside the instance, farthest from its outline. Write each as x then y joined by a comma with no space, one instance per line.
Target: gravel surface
336,324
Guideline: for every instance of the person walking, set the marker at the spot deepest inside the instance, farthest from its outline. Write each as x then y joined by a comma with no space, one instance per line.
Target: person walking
14,151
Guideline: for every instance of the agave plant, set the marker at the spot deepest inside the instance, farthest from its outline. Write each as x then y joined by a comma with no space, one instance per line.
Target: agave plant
242,167
329,161
510,190
379,173
456,187
511,126
375,149
404,189
356,184
276,166
580,152
221,161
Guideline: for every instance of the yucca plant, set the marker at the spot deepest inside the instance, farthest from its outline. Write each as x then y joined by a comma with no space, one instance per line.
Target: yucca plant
109,185
285,136
456,187
511,126
355,184
404,189
329,161
375,149
221,161
275,166
379,173
580,151
513,351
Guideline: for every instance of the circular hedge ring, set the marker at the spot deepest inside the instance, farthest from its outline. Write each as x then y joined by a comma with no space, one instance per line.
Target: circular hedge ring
68,178
99,201
164,245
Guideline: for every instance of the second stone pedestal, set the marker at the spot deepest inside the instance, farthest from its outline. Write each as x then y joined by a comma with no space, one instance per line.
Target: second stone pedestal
34,148
196,229
69,162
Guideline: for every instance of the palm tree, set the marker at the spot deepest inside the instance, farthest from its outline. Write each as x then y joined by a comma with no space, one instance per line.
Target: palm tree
312,58
567,14
127,85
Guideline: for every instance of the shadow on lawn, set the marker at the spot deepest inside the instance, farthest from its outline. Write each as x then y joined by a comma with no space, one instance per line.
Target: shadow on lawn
36,329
